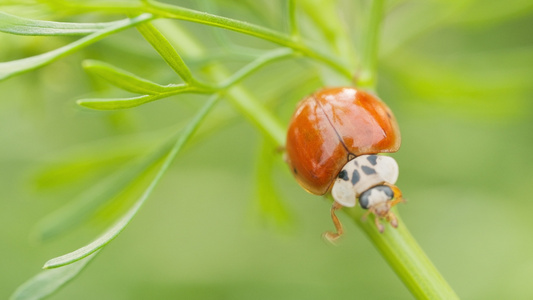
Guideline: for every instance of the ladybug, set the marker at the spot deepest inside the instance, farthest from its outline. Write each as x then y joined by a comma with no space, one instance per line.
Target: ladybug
332,144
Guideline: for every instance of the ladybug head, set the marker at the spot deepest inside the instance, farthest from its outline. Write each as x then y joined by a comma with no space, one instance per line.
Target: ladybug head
379,200
377,197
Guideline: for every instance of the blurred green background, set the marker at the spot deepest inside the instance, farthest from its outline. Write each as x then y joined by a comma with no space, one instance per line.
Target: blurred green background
459,77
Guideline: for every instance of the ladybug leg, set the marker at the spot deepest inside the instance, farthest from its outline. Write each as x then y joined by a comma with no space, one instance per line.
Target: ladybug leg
371,210
380,226
391,218
333,236
365,216
377,218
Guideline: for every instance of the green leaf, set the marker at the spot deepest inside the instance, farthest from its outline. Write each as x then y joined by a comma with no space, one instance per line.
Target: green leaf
117,103
166,50
123,79
23,26
119,226
123,103
100,242
48,281
15,67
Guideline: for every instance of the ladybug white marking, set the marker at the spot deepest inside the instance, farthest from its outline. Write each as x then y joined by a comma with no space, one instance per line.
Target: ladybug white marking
362,174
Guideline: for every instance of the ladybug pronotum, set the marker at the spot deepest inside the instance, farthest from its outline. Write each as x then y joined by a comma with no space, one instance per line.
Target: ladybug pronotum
332,142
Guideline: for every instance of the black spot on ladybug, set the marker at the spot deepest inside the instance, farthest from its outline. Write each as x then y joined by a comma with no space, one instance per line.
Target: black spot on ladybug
355,177
372,159
368,170
389,115
344,175
295,171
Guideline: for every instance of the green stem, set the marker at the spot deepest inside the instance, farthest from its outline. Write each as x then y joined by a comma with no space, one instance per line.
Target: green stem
293,23
405,256
324,14
366,74
247,103
256,64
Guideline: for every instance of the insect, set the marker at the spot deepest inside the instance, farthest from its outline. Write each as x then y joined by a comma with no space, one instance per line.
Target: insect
332,142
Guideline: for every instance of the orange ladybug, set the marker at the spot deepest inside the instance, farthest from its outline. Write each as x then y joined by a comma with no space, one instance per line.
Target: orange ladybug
331,144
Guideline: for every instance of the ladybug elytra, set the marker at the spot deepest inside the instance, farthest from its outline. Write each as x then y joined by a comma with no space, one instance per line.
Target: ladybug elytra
332,142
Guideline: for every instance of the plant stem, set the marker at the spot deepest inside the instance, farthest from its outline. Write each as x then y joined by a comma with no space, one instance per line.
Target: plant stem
256,64
366,74
405,256
251,108
293,23
324,14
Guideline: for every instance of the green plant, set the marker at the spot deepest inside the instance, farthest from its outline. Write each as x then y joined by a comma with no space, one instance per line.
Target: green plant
336,61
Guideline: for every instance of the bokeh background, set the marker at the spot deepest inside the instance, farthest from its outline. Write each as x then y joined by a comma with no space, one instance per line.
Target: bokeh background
459,77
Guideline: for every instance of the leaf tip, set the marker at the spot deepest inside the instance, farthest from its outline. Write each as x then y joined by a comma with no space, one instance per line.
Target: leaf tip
57,262
83,103
47,266
92,104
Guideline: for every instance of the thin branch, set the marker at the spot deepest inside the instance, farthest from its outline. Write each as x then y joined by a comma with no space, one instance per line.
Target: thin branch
366,74
294,29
